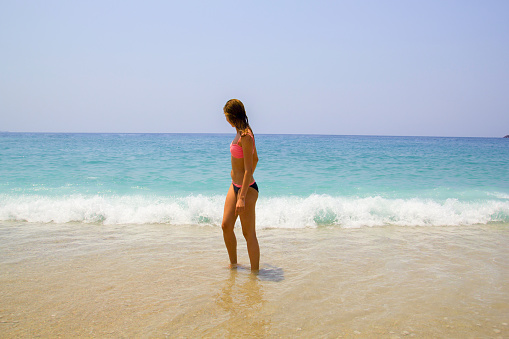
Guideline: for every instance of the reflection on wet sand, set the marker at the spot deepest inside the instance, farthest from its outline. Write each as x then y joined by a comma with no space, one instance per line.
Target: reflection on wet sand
242,297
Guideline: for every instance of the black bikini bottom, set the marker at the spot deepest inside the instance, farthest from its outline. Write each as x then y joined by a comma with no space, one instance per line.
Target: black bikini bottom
237,189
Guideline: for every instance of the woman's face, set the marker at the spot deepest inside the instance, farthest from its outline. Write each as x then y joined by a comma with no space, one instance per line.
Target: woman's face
229,121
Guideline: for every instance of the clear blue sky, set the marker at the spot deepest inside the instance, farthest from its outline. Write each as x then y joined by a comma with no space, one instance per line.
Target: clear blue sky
438,68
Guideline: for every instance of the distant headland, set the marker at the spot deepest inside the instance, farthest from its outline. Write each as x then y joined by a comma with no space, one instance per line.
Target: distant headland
507,136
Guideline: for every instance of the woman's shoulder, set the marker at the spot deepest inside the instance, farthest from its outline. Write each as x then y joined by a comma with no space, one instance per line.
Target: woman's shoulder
248,135
247,132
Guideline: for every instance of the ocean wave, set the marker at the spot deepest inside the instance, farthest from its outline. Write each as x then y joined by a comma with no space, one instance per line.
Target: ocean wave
275,212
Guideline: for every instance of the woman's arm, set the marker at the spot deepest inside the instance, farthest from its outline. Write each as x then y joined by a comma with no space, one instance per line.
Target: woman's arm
247,148
255,159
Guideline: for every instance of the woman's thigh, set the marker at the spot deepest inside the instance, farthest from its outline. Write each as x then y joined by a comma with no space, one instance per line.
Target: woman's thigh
229,216
248,218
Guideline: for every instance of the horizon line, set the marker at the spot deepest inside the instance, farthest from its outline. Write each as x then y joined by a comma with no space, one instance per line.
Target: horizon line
315,134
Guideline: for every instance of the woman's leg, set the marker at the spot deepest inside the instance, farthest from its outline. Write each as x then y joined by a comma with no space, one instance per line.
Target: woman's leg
247,219
229,218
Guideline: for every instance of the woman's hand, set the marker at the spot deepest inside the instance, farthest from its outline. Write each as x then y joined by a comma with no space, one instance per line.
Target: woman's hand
241,205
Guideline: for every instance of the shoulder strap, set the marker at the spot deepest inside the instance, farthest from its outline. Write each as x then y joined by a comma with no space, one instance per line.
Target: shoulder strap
250,134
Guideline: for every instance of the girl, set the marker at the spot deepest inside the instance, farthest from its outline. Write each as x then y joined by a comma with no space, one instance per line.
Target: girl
243,192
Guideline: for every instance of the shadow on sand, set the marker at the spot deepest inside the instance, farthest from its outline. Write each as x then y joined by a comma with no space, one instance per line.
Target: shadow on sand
271,273
267,273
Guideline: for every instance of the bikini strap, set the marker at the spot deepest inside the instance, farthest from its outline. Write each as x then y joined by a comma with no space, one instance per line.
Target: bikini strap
248,133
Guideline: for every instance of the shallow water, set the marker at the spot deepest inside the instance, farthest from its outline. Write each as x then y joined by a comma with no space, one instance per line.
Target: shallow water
169,280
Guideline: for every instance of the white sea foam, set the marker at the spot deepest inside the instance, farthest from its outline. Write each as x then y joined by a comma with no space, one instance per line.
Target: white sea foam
498,195
276,212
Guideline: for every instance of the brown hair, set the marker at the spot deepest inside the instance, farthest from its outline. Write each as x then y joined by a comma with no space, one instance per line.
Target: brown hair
235,112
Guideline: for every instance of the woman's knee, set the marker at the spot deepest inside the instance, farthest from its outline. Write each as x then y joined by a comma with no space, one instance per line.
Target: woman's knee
227,227
249,234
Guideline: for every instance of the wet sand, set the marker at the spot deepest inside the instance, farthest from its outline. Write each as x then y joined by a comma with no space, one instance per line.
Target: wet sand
82,280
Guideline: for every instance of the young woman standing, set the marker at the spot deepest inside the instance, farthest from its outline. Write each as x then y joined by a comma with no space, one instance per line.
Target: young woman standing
243,192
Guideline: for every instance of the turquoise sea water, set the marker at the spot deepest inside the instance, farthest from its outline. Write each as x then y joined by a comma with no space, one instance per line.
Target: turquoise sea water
304,180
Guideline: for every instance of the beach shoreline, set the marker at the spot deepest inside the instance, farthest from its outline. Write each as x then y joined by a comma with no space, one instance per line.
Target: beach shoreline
171,281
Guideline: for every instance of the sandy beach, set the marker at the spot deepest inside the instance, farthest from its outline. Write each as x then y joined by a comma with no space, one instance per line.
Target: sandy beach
85,280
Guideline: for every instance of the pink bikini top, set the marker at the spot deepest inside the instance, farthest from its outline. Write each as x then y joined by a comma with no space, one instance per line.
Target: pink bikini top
236,149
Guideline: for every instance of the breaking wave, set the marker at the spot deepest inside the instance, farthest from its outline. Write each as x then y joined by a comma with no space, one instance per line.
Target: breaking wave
275,212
